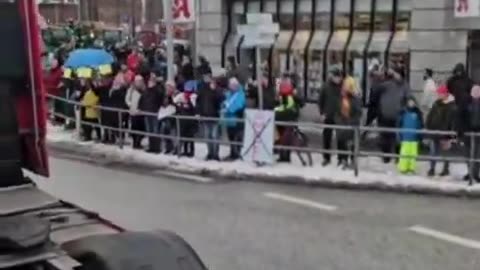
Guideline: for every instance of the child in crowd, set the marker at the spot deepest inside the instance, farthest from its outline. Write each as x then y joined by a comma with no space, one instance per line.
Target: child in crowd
90,116
411,119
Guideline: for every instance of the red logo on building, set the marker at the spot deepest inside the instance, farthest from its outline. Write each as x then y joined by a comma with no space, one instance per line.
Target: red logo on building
182,9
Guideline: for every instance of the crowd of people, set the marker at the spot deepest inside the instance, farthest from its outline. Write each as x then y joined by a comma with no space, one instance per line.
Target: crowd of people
452,107
138,86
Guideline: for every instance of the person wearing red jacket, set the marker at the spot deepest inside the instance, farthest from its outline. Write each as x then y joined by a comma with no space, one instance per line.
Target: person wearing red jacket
52,82
133,60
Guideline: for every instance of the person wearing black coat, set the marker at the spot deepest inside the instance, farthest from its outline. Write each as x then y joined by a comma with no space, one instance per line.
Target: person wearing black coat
328,105
115,99
150,103
442,117
209,104
459,85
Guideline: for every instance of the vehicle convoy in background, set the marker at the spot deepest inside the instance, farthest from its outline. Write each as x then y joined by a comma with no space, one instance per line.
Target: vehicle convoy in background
37,230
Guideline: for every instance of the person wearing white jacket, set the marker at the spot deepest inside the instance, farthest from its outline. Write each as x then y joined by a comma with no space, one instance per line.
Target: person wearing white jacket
132,99
429,95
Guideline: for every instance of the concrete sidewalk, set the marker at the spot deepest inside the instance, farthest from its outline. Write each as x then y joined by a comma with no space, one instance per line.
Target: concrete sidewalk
374,175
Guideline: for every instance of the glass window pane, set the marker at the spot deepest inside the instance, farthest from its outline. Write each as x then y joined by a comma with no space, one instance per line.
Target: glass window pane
358,41
254,6
319,41
300,41
379,42
305,6
270,6
339,40
323,6
238,7
400,42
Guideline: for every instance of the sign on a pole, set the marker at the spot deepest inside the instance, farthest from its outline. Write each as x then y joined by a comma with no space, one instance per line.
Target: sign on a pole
259,32
258,136
183,11
467,8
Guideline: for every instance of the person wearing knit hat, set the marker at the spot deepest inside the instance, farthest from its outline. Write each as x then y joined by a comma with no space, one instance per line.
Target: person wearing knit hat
411,118
442,116
473,126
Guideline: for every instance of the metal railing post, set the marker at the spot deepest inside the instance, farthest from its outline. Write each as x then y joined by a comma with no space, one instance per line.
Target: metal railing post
119,133
178,145
78,121
472,157
356,149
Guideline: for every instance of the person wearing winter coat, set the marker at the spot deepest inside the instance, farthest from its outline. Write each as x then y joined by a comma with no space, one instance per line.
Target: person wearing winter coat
132,99
185,103
287,110
203,68
133,60
328,105
209,104
442,117
459,85
473,126
52,82
90,100
150,102
115,99
429,95
349,114
391,103
233,108
411,118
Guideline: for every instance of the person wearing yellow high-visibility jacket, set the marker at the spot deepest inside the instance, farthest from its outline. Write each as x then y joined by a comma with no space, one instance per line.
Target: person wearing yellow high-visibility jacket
287,110
91,114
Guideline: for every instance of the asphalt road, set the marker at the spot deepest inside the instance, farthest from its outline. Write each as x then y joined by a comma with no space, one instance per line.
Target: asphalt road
253,226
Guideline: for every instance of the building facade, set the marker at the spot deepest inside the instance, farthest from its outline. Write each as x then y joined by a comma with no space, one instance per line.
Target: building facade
351,34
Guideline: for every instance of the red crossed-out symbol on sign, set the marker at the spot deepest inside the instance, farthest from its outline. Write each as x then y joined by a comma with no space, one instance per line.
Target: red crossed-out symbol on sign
462,6
181,9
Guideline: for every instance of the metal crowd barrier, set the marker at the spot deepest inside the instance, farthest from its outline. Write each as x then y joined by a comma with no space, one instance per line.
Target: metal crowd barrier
356,153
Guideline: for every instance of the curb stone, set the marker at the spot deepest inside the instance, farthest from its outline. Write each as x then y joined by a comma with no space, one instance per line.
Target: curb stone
87,153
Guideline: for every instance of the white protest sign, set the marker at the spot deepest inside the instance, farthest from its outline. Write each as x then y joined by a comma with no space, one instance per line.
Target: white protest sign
258,136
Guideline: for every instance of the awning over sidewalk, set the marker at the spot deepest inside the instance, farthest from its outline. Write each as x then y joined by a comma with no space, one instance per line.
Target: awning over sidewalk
379,42
359,40
339,40
400,42
283,39
319,41
300,40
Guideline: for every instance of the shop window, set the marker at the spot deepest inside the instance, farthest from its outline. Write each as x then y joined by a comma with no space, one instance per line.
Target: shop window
316,49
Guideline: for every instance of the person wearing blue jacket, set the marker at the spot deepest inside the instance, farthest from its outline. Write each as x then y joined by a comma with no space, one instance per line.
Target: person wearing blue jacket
233,108
410,119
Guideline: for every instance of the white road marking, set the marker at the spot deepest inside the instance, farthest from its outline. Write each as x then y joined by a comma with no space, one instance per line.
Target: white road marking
445,237
192,177
300,201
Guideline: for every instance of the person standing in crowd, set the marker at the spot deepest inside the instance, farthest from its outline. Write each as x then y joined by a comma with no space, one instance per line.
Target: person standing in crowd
377,79
185,103
133,60
203,68
209,103
115,100
286,111
349,114
234,70
166,123
391,102
328,102
442,117
126,73
52,82
472,126
150,103
459,85
233,108
90,100
132,99
410,119
429,95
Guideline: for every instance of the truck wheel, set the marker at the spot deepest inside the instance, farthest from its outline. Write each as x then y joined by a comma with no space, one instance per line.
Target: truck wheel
158,250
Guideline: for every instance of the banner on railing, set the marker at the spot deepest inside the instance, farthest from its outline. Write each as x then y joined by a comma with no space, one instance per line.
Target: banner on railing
258,136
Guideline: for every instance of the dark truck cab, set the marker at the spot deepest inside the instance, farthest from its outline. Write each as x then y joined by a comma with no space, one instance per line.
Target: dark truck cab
37,230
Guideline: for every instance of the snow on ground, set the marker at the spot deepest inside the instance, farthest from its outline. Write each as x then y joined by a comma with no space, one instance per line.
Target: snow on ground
372,170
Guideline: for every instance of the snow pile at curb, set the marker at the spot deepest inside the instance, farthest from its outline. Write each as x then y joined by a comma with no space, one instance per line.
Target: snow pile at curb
373,173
